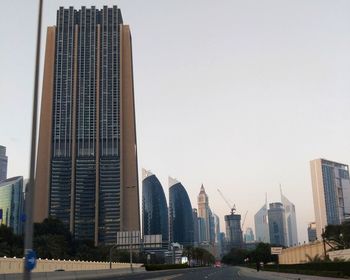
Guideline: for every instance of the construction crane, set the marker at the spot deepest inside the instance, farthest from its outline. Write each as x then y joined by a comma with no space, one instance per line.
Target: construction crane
232,207
245,216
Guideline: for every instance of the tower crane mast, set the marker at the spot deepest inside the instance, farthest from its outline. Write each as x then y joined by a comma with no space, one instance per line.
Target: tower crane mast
245,216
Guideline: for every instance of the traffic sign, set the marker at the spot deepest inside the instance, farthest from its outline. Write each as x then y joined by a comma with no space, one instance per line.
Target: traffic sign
276,250
30,260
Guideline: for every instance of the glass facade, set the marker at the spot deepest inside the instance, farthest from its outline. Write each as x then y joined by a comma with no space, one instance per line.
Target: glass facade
277,224
154,208
12,203
311,232
331,193
336,189
233,231
262,225
291,221
180,215
195,226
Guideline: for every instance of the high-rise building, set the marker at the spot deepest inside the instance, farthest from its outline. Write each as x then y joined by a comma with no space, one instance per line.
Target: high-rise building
277,226
217,241
181,228
249,235
291,221
154,206
202,230
311,232
12,203
3,163
195,227
204,212
222,242
211,227
86,173
262,225
216,227
331,193
234,237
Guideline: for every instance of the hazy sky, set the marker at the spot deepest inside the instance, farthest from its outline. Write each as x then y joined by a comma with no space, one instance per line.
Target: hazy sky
237,95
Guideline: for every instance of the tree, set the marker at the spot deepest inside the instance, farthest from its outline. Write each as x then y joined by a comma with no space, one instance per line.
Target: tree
11,245
52,239
200,255
338,236
235,256
51,246
262,253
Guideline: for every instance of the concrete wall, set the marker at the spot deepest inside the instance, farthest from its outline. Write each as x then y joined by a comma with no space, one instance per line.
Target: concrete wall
15,265
299,254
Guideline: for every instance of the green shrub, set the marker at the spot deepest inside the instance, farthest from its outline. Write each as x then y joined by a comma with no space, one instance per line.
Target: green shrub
332,269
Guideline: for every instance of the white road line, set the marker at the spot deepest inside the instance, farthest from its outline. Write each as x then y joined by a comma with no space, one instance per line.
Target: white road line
165,277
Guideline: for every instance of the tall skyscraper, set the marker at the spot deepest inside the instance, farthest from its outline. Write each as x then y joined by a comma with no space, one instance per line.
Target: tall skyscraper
290,220
249,235
211,227
234,234
12,204
262,225
154,206
331,193
87,158
202,230
195,227
216,227
277,226
204,212
3,163
217,241
180,214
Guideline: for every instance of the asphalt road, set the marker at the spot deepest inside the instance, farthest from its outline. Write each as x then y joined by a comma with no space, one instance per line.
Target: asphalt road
211,273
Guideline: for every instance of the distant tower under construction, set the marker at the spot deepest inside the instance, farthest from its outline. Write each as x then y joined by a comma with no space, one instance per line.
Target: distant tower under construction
233,231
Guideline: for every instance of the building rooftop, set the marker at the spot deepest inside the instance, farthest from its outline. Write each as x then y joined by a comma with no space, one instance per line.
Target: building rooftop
10,180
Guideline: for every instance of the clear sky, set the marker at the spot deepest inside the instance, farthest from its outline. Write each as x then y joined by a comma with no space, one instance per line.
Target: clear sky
237,95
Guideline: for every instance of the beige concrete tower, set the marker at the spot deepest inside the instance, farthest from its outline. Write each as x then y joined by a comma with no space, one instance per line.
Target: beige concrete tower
86,173
204,212
129,174
42,179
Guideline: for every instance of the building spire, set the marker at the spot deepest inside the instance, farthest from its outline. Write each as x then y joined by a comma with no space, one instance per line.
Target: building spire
172,181
146,173
281,191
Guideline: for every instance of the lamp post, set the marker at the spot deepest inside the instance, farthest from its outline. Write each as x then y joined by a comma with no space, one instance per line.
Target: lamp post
28,235
110,255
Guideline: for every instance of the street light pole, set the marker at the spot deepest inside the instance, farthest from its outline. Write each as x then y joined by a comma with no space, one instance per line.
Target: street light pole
30,188
131,259
110,255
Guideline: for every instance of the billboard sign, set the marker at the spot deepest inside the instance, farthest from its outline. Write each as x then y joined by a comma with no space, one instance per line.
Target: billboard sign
276,250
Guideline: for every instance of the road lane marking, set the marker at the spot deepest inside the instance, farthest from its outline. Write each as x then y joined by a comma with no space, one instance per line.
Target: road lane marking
166,277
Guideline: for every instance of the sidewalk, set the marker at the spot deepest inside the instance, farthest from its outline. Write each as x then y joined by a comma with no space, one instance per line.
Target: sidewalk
73,275
268,275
